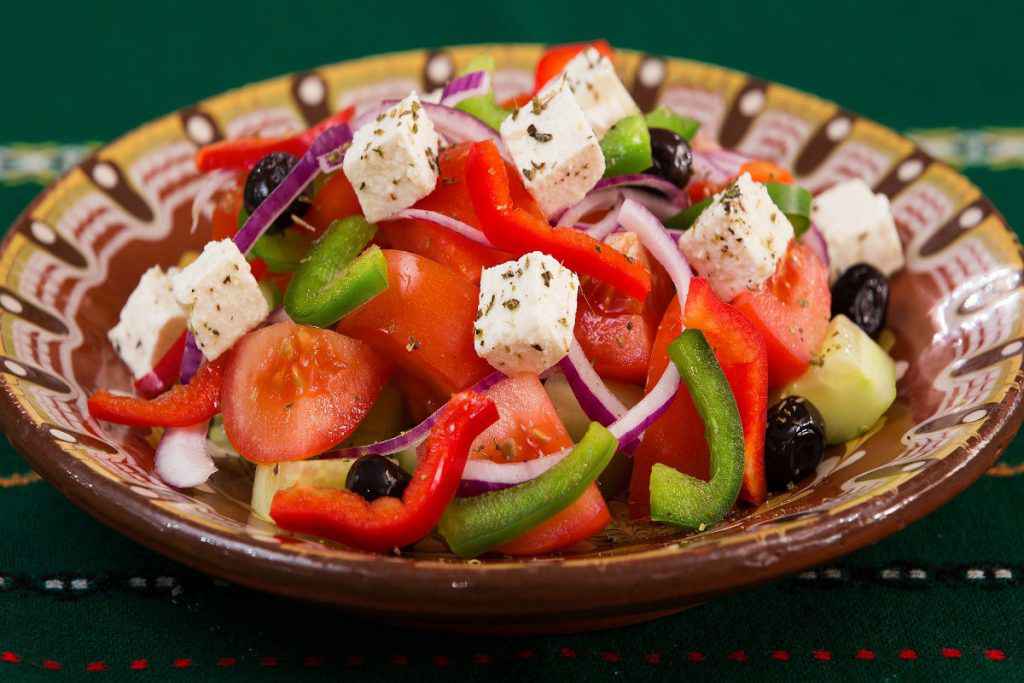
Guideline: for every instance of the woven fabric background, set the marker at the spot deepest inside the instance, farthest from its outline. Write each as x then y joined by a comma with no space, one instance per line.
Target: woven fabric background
942,599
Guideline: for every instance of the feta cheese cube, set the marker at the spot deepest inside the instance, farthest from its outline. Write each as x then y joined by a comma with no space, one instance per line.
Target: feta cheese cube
392,162
150,322
527,313
858,227
737,241
222,297
553,148
599,92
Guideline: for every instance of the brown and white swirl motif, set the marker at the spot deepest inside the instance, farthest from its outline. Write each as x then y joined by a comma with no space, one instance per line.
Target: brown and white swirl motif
14,304
746,106
52,242
309,89
824,142
438,69
27,373
706,106
969,217
199,127
907,171
647,81
108,178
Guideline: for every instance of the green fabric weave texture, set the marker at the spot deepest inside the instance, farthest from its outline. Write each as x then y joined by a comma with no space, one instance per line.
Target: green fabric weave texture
941,599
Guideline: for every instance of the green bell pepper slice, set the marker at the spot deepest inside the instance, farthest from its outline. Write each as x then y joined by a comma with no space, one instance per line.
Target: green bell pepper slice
627,147
685,219
472,526
795,202
483,107
335,279
683,126
282,251
678,498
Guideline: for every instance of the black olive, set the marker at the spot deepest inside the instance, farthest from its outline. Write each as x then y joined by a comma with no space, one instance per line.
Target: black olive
862,295
794,441
374,476
673,159
264,179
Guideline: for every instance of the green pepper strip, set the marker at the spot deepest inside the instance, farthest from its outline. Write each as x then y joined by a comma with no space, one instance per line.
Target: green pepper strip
678,498
483,107
472,526
332,281
282,251
795,202
627,147
685,219
683,126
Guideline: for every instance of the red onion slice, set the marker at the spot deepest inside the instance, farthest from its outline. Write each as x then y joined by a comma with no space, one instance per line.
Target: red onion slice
301,175
411,438
182,460
607,198
816,241
481,476
647,180
717,166
191,359
594,396
606,225
455,225
473,84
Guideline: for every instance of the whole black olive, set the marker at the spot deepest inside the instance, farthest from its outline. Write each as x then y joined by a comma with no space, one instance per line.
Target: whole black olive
794,441
862,295
264,179
374,476
673,159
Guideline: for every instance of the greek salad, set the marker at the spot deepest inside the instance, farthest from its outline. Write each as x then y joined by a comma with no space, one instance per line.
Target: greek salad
481,321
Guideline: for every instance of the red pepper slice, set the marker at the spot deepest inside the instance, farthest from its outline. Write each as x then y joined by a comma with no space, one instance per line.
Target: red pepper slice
244,153
388,522
555,58
166,370
518,231
183,405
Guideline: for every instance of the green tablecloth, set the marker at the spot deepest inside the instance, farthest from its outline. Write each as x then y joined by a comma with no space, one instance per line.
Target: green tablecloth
940,599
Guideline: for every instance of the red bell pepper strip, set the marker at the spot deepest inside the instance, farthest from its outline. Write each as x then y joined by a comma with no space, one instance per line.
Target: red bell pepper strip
165,372
183,405
388,522
244,153
518,231
555,58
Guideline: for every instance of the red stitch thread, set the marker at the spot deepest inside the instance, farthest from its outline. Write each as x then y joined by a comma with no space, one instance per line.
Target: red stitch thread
653,658
610,657
51,665
525,654
695,657
739,656
951,653
568,652
10,658
780,655
822,655
182,663
139,665
399,660
908,655
225,662
313,662
995,655
440,661
482,659
269,662
355,660
96,666
865,655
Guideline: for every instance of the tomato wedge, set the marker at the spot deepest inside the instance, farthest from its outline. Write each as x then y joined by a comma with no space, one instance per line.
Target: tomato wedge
292,391
528,427
336,199
556,57
791,312
423,322
677,438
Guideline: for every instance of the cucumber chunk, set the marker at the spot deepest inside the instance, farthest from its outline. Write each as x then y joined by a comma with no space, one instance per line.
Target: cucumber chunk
270,479
851,381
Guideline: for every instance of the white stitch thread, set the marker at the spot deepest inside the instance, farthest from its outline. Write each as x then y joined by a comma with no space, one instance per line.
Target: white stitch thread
918,574
890,574
976,574
1003,573
53,585
137,582
79,584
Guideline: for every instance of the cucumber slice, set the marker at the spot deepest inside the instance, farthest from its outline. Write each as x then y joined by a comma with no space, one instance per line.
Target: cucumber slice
851,381
568,408
270,479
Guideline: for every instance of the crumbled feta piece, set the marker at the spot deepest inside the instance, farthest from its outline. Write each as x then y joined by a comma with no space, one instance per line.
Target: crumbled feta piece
629,245
150,322
599,92
527,313
737,241
392,162
858,227
553,148
222,297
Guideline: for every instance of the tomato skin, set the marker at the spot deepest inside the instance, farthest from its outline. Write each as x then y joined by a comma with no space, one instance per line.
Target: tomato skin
792,313
677,438
291,391
766,172
336,199
578,522
423,323
225,211
556,57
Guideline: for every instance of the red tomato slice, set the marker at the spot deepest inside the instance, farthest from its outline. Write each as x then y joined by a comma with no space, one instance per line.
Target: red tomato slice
423,322
791,312
451,197
528,427
292,391
677,437
334,200
556,57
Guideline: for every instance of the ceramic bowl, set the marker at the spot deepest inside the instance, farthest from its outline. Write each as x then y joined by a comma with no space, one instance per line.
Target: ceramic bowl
69,262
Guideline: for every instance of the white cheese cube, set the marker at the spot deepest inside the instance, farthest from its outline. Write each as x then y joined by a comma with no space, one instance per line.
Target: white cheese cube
599,92
223,299
554,150
858,227
150,322
527,313
737,241
392,162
